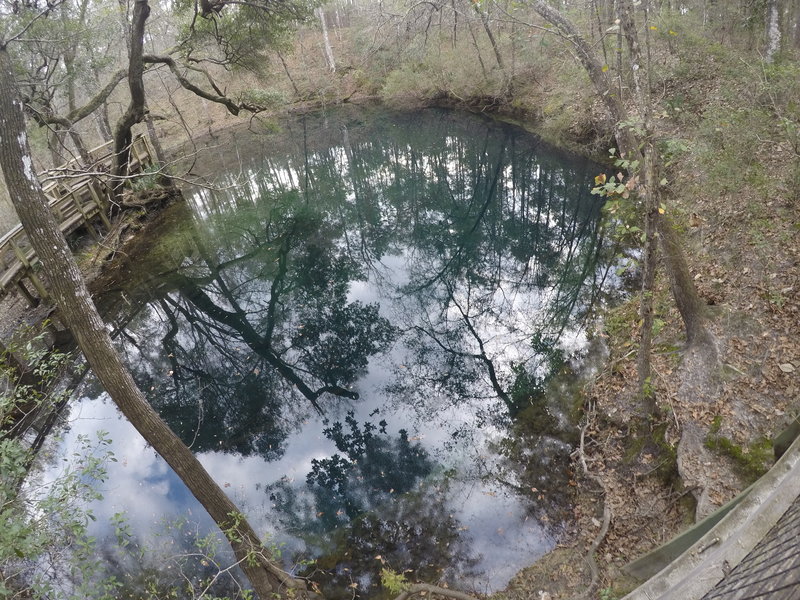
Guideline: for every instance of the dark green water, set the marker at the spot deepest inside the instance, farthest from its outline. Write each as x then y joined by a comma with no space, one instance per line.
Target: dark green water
365,330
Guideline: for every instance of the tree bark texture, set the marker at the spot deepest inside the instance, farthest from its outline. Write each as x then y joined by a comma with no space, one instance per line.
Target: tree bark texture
487,28
773,31
123,134
326,41
81,316
649,193
649,256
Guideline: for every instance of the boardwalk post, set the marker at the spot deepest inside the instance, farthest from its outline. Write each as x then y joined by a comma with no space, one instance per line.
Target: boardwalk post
37,283
76,200
152,152
32,300
102,205
135,151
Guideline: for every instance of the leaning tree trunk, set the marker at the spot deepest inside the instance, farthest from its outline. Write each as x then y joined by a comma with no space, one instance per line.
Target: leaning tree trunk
81,316
684,292
492,40
683,289
636,146
690,305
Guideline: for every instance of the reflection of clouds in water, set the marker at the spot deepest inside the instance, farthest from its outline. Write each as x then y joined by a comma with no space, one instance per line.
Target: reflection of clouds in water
497,518
139,483
428,383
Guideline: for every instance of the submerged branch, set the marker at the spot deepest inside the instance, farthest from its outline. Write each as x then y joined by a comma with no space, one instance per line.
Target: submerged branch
427,588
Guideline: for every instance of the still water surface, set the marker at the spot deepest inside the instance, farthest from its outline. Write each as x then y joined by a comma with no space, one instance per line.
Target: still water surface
358,330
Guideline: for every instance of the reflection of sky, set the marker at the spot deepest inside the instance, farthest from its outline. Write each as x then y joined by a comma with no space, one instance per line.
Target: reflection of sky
142,486
503,536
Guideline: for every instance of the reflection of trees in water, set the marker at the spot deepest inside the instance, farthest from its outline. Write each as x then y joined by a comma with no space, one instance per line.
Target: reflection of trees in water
374,505
242,333
514,271
382,467
499,237
253,325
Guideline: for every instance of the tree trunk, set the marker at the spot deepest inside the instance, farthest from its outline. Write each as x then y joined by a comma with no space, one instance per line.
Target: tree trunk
80,314
648,192
690,305
773,31
103,124
327,42
683,289
288,74
793,25
56,140
640,146
478,51
486,27
597,75
646,312
123,135
151,132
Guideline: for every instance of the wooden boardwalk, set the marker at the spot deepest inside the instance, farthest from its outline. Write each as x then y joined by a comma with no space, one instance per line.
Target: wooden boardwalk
77,200
750,553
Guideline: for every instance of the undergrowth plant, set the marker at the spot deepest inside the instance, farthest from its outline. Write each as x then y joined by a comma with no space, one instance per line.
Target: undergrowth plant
51,543
42,513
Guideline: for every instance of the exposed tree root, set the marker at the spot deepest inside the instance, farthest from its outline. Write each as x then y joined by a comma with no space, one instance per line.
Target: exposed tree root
601,535
427,588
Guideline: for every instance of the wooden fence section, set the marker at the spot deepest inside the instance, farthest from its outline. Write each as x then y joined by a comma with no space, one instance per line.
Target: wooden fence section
76,199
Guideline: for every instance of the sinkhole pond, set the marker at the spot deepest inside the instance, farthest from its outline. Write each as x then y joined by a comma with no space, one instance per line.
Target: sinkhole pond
366,326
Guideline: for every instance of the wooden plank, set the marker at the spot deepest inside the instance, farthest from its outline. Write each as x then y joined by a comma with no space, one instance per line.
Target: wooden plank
32,300
73,201
135,151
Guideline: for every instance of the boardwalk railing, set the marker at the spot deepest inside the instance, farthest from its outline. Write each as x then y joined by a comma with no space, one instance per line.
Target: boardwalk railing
76,199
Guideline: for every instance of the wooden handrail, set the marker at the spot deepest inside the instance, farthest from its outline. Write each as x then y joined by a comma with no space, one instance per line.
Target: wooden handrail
75,201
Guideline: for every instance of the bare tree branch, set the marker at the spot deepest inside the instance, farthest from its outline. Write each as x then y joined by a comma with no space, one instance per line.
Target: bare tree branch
43,13
232,106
